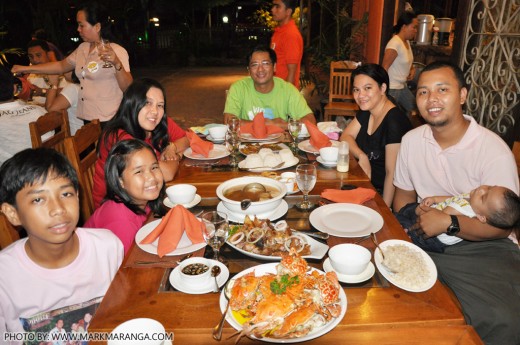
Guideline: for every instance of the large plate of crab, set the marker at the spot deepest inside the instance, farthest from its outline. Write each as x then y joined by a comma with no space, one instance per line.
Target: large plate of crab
261,239
286,302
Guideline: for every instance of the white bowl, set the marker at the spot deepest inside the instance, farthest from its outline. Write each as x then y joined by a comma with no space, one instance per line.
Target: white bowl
329,154
139,328
181,193
349,259
218,132
262,209
199,279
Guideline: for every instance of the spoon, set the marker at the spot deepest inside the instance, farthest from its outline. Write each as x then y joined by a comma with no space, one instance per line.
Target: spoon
374,239
254,187
215,271
320,235
217,331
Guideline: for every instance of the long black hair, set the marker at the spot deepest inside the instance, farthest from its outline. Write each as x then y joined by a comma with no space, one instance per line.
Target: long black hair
374,71
97,13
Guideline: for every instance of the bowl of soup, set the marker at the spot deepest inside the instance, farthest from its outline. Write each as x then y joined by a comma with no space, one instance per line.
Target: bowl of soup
263,204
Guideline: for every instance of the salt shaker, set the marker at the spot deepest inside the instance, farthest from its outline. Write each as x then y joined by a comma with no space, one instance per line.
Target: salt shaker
343,157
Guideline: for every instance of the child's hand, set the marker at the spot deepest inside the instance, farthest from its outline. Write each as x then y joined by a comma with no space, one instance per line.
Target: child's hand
428,201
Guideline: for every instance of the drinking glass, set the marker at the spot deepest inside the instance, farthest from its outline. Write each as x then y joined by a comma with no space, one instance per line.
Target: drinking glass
215,230
234,124
233,145
294,126
103,46
306,179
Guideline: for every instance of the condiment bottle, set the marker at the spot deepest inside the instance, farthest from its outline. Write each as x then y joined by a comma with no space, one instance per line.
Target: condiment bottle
343,157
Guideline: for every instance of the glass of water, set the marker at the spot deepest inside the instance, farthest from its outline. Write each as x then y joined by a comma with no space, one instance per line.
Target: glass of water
306,176
215,230
294,126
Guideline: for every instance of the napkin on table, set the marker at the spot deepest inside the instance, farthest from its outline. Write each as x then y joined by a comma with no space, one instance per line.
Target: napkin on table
318,139
258,129
177,221
198,145
355,196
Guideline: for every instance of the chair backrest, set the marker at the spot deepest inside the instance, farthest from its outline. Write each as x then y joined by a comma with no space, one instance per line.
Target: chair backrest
50,130
80,149
8,233
340,86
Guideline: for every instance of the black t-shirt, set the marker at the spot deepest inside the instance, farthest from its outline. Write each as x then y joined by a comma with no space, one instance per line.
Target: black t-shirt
390,131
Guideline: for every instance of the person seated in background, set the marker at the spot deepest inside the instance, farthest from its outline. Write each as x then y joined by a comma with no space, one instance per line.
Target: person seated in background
59,267
141,115
15,116
38,52
54,53
375,134
262,92
65,99
135,188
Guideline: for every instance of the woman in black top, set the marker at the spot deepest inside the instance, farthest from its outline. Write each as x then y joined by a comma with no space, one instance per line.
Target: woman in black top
374,136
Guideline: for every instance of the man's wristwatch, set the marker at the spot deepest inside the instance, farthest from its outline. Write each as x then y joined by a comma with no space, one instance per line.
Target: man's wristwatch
454,227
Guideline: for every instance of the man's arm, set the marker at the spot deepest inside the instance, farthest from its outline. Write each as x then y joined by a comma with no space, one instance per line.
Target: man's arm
291,76
403,197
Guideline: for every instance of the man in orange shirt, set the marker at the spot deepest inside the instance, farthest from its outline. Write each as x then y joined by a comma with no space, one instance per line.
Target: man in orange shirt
287,42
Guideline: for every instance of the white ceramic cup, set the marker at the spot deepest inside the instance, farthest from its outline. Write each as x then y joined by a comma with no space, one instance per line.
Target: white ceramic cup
304,132
218,132
329,154
181,193
142,331
289,179
349,259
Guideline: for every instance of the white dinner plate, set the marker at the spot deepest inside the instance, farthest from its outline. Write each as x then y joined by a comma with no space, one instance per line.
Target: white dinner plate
346,220
325,163
195,201
208,286
185,246
217,141
307,147
287,164
250,138
391,277
218,151
351,278
318,250
279,212
271,268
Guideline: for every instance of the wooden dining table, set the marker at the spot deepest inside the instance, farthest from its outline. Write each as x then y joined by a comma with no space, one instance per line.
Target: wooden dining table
377,311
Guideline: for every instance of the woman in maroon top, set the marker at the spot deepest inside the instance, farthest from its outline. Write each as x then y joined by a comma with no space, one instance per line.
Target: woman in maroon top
142,115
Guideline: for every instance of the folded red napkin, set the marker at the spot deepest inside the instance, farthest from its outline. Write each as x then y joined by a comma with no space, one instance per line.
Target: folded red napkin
318,138
198,145
354,196
177,221
258,129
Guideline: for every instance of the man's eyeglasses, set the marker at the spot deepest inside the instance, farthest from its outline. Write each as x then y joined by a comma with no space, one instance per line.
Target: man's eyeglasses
265,64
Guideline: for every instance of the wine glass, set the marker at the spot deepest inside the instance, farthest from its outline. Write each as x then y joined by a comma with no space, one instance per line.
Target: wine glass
234,124
215,230
233,145
103,46
306,179
294,126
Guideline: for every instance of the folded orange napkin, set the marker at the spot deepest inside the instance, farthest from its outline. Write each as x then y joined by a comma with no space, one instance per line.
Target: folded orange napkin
198,145
177,221
354,196
258,129
318,138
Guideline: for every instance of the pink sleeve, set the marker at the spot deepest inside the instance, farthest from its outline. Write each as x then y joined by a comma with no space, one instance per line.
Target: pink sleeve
174,131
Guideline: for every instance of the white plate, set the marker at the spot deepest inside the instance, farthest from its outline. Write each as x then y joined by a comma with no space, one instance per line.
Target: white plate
208,286
432,278
249,137
279,212
217,141
271,268
184,247
218,151
318,250
242,147
346,220
325,163
348,278
286,165
307,147
195,201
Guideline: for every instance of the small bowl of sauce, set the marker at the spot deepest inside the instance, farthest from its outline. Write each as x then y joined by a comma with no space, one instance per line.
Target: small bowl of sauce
195,271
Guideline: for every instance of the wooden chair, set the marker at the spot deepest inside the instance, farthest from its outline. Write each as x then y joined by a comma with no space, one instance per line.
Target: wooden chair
341,101
56,121
80,149
8,233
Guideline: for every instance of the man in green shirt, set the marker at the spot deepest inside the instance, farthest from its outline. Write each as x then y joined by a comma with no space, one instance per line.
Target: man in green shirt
262,92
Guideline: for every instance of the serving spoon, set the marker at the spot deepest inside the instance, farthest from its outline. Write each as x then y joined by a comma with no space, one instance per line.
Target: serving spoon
374,239
215,271
217,331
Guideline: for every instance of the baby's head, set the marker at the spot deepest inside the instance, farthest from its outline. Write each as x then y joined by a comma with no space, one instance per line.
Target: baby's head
498,206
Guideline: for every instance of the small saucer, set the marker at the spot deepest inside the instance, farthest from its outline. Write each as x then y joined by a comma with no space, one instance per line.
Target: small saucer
216,141
351,279
194,202
327,164
208,286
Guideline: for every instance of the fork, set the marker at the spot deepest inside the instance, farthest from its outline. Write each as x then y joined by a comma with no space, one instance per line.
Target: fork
205,164
140,262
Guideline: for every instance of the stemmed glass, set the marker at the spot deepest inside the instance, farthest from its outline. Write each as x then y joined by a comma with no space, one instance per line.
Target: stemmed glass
306,179
103,46
234,124
215,230
294,126
233,145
